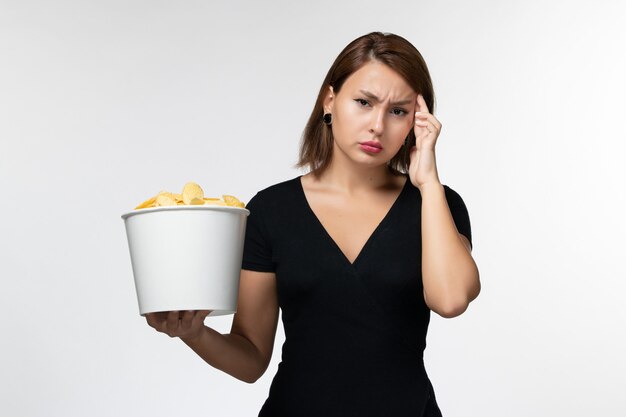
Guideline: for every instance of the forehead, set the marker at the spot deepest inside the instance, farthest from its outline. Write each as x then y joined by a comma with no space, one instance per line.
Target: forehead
379,79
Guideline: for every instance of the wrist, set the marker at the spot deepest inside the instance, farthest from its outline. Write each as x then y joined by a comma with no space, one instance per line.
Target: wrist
195,339
430,186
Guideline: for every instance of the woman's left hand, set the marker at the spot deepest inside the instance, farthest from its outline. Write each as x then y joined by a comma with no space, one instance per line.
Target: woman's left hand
422,165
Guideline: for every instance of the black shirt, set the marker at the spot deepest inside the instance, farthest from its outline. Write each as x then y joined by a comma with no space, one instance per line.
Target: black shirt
354,332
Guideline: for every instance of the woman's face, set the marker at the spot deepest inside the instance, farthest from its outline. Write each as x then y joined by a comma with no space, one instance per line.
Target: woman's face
372,114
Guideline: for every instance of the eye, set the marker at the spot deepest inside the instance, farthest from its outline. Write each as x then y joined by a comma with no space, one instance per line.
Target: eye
362,102
399,112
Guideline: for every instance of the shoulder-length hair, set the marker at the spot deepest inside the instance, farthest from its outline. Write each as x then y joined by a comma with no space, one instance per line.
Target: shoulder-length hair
392,50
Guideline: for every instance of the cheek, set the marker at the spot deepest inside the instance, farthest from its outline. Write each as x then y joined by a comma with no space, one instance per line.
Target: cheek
349,119
403,128
349,114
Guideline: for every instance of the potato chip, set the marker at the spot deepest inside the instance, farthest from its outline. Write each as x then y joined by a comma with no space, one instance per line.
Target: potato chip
192,190
192,195
232,201
214,202
148,203
165,198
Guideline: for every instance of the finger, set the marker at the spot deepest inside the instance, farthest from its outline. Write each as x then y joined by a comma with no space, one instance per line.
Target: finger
187,319
421,104
420,118
152,320
426,124
172,321
427,116
421,128
159,319
204,313
200,316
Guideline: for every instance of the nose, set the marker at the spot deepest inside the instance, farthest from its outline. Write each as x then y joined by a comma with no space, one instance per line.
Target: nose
378,121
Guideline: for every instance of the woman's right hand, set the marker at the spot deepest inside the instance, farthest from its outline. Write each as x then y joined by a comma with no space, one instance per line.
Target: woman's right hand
187,325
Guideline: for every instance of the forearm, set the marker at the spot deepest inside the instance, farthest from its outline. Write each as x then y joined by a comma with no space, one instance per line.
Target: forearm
230,353
449,273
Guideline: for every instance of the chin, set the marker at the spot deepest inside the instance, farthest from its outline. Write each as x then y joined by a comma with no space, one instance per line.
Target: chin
371,160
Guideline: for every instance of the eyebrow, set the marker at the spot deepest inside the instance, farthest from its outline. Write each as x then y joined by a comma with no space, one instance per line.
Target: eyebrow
373,97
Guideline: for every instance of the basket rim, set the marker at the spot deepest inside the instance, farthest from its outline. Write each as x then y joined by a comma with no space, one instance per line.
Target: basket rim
185,208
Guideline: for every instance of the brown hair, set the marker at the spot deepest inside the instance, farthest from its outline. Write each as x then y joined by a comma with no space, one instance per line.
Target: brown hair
392,50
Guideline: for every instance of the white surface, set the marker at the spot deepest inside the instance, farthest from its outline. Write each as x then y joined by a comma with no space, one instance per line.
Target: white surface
186,257
103,103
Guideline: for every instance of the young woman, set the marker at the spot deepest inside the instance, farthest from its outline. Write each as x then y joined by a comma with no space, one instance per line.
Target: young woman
356,253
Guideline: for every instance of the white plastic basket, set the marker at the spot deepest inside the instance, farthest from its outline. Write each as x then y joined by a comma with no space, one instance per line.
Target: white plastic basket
186,257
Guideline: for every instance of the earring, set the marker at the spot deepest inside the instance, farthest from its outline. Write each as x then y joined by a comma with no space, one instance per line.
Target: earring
328,118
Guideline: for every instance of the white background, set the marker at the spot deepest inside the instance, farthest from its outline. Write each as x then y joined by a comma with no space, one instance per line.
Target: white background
103,104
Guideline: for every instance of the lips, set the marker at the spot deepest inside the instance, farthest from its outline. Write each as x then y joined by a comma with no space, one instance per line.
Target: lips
371,147
372,144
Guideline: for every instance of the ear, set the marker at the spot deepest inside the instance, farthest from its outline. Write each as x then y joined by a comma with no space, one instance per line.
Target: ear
329,100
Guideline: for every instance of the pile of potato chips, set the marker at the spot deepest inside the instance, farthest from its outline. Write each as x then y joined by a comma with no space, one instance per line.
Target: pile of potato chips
192,195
